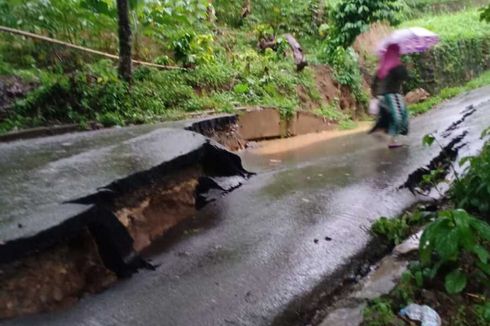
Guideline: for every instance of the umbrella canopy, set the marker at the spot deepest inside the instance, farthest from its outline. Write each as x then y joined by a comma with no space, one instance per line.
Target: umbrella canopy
410,40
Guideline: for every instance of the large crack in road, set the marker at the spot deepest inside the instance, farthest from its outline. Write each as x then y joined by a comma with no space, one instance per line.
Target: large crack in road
254,259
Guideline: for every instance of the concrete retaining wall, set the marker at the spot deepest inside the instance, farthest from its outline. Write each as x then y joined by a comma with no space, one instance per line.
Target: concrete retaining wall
266,123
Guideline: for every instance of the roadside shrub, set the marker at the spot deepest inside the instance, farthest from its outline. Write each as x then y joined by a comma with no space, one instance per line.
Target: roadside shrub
472,192
485,14
455,245
332,112
191,48
447,93
298,17
96,93
216,75
462,54
229,11
423,8
346,72
350,18
379,312
395,230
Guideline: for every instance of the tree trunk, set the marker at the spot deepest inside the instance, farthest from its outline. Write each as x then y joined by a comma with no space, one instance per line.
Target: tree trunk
124,40
299,57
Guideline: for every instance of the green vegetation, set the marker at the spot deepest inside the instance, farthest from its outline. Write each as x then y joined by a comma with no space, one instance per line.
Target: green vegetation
224,67
448,93
380,313
485,14
453,261
215,44
94,92
352,17
418,8
453,27
298,17
453,268
332,112
461,55
473,191
454,246
395,230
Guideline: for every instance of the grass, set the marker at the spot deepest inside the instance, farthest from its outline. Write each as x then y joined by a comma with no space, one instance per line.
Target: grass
448,93
425,3
380,313
331,112
238,75
394,230
461,25
347,124
95,93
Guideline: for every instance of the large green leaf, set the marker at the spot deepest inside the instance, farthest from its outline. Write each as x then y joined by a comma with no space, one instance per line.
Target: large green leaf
482,227
483,267
241,88
428,140
426,245
482,253
455,282
432,272
485,14
433,235
447,244
466,237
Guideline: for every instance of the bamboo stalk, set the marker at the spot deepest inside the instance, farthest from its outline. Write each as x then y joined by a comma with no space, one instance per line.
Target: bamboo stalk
81,48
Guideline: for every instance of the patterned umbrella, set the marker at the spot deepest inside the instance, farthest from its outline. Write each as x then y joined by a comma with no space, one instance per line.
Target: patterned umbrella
410,40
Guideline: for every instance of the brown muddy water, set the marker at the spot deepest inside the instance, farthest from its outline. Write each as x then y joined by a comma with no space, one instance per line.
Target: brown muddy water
271,154
278,146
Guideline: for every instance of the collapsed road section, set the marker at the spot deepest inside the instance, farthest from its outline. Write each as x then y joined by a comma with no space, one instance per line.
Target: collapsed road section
77,209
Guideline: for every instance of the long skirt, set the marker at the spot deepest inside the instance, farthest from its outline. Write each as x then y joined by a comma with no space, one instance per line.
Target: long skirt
392,116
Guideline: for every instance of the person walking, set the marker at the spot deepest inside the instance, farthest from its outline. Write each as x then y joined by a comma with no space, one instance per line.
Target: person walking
387,87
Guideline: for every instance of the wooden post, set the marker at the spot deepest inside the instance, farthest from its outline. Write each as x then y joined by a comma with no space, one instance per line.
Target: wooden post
299,57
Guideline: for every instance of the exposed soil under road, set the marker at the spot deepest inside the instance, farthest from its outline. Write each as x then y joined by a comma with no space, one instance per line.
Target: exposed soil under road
53,279
148,212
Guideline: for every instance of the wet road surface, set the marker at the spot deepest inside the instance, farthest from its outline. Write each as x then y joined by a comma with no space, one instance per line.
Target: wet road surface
258,252
39,176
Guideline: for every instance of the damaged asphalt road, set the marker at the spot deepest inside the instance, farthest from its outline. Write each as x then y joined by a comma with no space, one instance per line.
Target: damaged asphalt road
286,237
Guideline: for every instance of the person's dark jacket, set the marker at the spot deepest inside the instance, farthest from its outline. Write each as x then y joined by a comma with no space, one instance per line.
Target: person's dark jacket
392,83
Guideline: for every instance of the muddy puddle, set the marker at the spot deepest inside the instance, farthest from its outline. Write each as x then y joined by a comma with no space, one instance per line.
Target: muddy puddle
278,146
277,153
